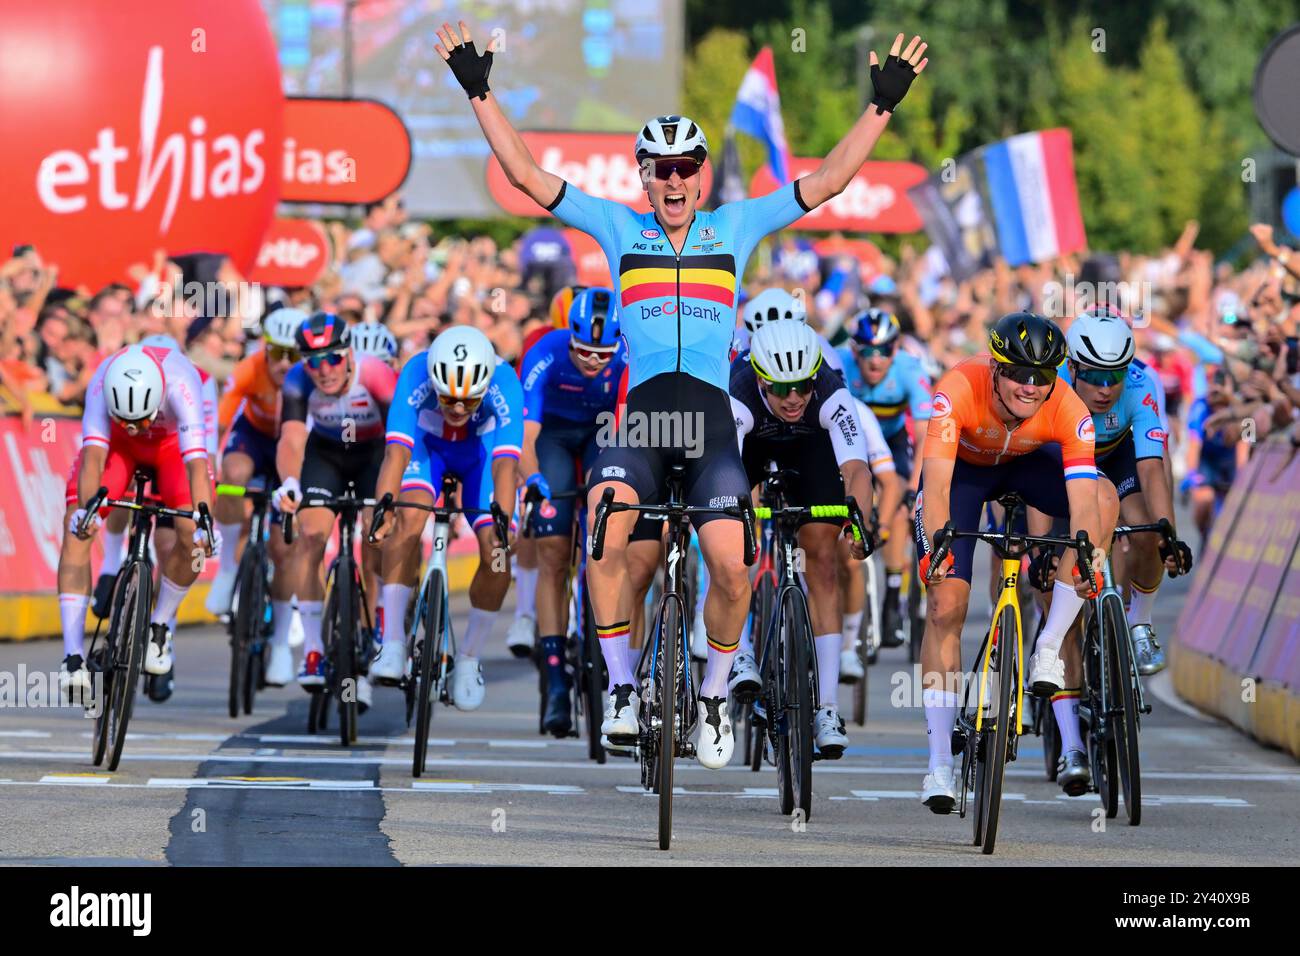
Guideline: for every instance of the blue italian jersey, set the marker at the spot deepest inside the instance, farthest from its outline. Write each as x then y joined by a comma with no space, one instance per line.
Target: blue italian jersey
555,389
678,309
497,423
1135,412
905,387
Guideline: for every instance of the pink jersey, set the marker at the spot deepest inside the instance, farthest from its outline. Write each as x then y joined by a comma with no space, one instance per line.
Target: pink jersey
181,414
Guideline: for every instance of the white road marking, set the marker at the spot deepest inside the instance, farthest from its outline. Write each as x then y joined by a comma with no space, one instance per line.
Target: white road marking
462,786
26,733
748,793
76,779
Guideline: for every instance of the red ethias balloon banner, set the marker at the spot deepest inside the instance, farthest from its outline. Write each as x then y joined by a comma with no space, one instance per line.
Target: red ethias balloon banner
342,151
294,253
136,125
600,164
875,199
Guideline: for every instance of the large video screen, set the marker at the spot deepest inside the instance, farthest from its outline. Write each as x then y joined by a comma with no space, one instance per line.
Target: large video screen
597,65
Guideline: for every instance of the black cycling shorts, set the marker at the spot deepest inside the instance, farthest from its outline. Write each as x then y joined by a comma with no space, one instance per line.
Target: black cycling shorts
677,419
328,466
1120,466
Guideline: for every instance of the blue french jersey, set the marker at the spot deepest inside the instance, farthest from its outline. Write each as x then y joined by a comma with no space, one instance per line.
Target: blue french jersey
678,310
554,388
498,422
1136,412
905,387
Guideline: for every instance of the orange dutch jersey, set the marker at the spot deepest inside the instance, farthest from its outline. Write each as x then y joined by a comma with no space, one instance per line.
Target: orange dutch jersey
251,393
964,424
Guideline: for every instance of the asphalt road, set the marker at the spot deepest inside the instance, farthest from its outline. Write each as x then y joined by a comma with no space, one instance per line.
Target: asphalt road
196,787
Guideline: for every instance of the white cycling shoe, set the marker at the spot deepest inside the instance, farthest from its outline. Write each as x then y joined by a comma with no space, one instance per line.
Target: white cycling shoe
621,713
220,594
390,664
714,742
519,638
699,638
1046,672
279,669
744,674
850,667
365,694
938,789
830,735
467,690
74,681
158,658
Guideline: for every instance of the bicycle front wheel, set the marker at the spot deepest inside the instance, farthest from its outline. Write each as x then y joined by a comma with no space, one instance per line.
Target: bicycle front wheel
866,635
593,680
671,639
430,652
997,742
1122,726
242,630
128,655
1102,757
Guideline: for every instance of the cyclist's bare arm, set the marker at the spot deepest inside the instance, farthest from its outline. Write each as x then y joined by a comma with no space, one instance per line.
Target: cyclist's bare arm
528,457
196,470
92,470
1155,489
935,502
843,162
396,457
507,145
1085,515
290,449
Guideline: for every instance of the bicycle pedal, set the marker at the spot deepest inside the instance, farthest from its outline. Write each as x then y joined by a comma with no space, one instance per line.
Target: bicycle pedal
623,740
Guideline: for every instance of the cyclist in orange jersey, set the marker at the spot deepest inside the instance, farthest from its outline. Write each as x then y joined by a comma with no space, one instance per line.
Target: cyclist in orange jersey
1003,424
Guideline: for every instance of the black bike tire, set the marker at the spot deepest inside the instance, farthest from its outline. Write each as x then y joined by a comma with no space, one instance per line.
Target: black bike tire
255,668
240,637
670,643
99,736
979,788
137,640
430,651
801,693
345,653
1124,727
1008,675
776,702
1101,745
916,621
1051,738
593,680
756,733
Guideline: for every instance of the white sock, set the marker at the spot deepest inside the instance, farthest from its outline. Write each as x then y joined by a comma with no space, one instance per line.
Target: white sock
1141,605
717,671
395,597
228,561
281,620
1065,708
172,624
746,641
477,631
613,647
170,595
72,612
114,551
852,627
1065,608
940,716
828,667
310,612
525,592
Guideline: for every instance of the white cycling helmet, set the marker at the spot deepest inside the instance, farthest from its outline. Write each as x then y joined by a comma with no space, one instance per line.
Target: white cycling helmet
373,338
785,352
1100,339
770,305
160,341
461,362
133,385
671,136
281,327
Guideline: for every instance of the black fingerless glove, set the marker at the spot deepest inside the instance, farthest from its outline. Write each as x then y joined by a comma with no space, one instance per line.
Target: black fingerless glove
891,82
1182,555
1042,569
471,69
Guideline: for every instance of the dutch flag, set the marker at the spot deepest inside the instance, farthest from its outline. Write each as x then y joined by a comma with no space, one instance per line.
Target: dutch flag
1034,197
757,113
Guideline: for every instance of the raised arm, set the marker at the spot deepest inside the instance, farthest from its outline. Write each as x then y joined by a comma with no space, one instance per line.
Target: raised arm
842,163
471,69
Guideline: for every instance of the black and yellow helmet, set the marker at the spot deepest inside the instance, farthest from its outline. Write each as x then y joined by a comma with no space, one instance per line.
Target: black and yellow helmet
1024,338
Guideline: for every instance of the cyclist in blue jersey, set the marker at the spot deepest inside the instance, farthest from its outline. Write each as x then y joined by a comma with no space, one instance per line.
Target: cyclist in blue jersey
892,384
1130,451
457,410
570,380
678,270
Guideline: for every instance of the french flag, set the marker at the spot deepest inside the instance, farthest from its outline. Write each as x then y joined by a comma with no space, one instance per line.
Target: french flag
757,113
1034,197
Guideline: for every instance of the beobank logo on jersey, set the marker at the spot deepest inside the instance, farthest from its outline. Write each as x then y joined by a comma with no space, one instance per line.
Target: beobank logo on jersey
670,307
136,125
600,164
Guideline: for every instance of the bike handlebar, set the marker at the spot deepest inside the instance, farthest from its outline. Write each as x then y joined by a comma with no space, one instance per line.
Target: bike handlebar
101,500
849,510
743,509
500,521
1010,545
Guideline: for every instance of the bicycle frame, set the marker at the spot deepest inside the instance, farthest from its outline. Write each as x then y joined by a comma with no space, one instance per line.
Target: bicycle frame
1007,597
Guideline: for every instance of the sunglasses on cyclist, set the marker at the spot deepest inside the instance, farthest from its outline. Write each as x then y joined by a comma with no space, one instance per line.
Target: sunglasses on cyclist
684,166
1101,377
332,359
469,404
783,389
278,353
593,355
871,351
1024,375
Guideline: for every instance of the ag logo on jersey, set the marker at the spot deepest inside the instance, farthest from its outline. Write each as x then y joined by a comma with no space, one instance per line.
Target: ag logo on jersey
650,233
942,405
1086,430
